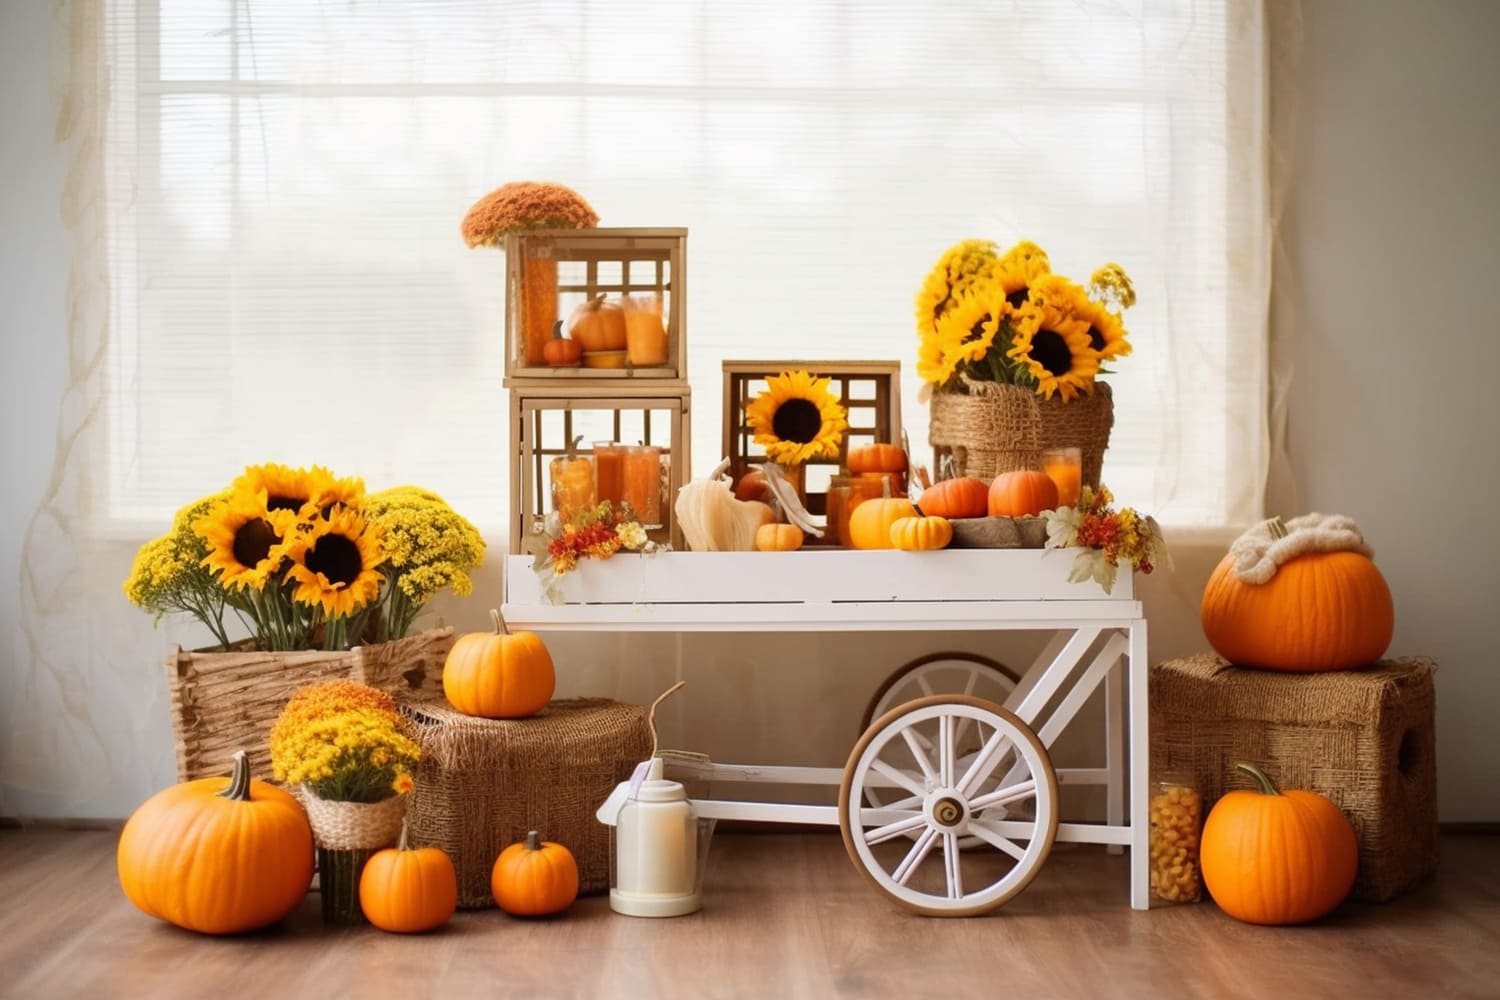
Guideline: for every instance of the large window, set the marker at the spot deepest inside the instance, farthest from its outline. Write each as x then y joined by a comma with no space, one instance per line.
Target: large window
286,180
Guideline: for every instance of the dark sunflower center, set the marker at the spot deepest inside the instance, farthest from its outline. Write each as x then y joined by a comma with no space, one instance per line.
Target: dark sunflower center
1018,297
253,541
1096,339
1051,351
337,558
797,420
285,503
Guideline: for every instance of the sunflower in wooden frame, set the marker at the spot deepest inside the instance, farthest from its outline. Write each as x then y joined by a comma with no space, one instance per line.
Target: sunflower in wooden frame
797,418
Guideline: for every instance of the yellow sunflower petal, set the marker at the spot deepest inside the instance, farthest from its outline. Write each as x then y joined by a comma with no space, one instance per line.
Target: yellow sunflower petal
246,542
797,418
1053,345
335,563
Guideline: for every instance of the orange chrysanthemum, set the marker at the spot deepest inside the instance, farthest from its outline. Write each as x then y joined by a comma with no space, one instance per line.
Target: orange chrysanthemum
525,205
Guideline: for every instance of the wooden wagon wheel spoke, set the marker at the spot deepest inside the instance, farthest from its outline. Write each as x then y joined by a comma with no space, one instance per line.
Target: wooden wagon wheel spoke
951,860
982,830
919,753
900,828
995,749
898,777
1002,796
915,857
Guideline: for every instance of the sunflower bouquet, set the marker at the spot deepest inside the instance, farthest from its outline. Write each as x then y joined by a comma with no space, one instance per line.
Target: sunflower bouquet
983,316
304,559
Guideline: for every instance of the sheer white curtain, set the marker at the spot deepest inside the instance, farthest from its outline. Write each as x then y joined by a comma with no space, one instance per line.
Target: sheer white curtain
265,197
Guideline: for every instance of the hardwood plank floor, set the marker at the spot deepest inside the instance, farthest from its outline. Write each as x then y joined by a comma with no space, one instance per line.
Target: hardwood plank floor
786,916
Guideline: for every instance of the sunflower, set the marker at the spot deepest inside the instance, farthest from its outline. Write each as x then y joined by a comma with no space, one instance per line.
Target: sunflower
960,266
286,488
1105,329
246,539
796,418
335,562
972,321
1053,346
1022,264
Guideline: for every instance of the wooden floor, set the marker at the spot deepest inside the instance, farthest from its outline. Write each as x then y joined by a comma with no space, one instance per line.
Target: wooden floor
786,916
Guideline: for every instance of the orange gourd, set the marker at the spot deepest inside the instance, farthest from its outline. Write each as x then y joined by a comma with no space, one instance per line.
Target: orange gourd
599,325
778,538
876,458
921,534
1320,610
407,891
217,855
1272,857
961,497
1022,493
560,352
499,674
534,878
870,524
752,486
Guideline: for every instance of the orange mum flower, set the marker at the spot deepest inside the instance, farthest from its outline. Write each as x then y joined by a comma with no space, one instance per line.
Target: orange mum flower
525,205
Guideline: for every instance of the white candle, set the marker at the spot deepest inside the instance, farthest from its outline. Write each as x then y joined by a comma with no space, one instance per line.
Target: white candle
656,851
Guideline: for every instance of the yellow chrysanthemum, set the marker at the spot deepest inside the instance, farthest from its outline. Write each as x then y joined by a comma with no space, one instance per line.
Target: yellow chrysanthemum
1018,269
796,418
428,544
1053,345
246,540
1111,284
335,563
959,267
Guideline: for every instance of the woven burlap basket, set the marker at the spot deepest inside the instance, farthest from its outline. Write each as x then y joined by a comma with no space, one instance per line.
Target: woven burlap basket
223,702
483,783
994,427
1366,739
353,826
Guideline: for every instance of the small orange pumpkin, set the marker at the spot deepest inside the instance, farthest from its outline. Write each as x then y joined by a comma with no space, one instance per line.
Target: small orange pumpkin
499,674
559,352
598,325
778,538
1022,493
217,855
876,458
961,497
1272,857
1321,610
921,534
534,878
407,891
870,523
752,486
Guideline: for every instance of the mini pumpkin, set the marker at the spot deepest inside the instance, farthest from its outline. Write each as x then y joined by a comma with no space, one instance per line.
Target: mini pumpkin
921,534
217,855
961,497
560,352
752,486
778,538
1301,596
499,674
1271,857
598,325
534,878
876,458
407,891
870,523
1022,493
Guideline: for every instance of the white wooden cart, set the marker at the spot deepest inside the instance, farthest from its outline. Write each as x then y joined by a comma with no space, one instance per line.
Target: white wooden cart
949,802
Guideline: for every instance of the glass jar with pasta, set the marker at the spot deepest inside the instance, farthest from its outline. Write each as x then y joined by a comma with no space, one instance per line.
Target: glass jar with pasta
1176,813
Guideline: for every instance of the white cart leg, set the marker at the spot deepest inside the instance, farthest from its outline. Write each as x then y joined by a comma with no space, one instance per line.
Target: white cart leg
1140,763
1114,747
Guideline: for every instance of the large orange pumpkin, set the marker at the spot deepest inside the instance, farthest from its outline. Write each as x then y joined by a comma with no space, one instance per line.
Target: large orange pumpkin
961,497
1022,493
499,674
870,524
407,891
1272,857
1321,610
217,855
534,878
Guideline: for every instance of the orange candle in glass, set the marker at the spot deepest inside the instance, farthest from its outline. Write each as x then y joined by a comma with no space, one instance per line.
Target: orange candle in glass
1064,466
641,484
609,471
572,485
645,334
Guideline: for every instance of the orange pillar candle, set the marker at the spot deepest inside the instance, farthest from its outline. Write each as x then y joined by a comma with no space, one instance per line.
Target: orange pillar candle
645,335
572,485
1064,466
538,308
609,471
642,483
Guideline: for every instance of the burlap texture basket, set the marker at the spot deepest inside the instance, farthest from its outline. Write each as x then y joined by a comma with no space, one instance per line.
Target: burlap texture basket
994,427
223,702
353,826
483,783
1366,739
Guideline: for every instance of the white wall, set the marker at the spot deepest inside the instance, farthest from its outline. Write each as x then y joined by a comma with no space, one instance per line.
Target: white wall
1387,231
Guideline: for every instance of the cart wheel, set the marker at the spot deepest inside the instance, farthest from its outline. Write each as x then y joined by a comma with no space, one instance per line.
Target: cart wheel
941,673
911,750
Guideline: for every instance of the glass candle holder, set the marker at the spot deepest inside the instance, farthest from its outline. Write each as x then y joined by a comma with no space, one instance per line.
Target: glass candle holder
609,471
1064,466
645,334
845,493
641,483
572,485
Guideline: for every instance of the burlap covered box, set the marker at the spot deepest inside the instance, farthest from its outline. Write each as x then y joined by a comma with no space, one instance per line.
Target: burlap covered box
483,783
1363,738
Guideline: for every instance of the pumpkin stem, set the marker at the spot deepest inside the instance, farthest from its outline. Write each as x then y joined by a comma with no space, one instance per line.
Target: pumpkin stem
499,620
403,844
238,789
1277,527
1266,787
533,841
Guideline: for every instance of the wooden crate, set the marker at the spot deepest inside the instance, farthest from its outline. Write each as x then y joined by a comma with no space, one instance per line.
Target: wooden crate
545,420
870,392
592,262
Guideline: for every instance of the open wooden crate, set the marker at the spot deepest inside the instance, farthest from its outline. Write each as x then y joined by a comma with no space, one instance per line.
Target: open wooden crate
571,266
545,420
870,392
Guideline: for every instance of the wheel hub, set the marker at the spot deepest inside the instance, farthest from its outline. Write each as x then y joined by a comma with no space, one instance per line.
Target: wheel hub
948,810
